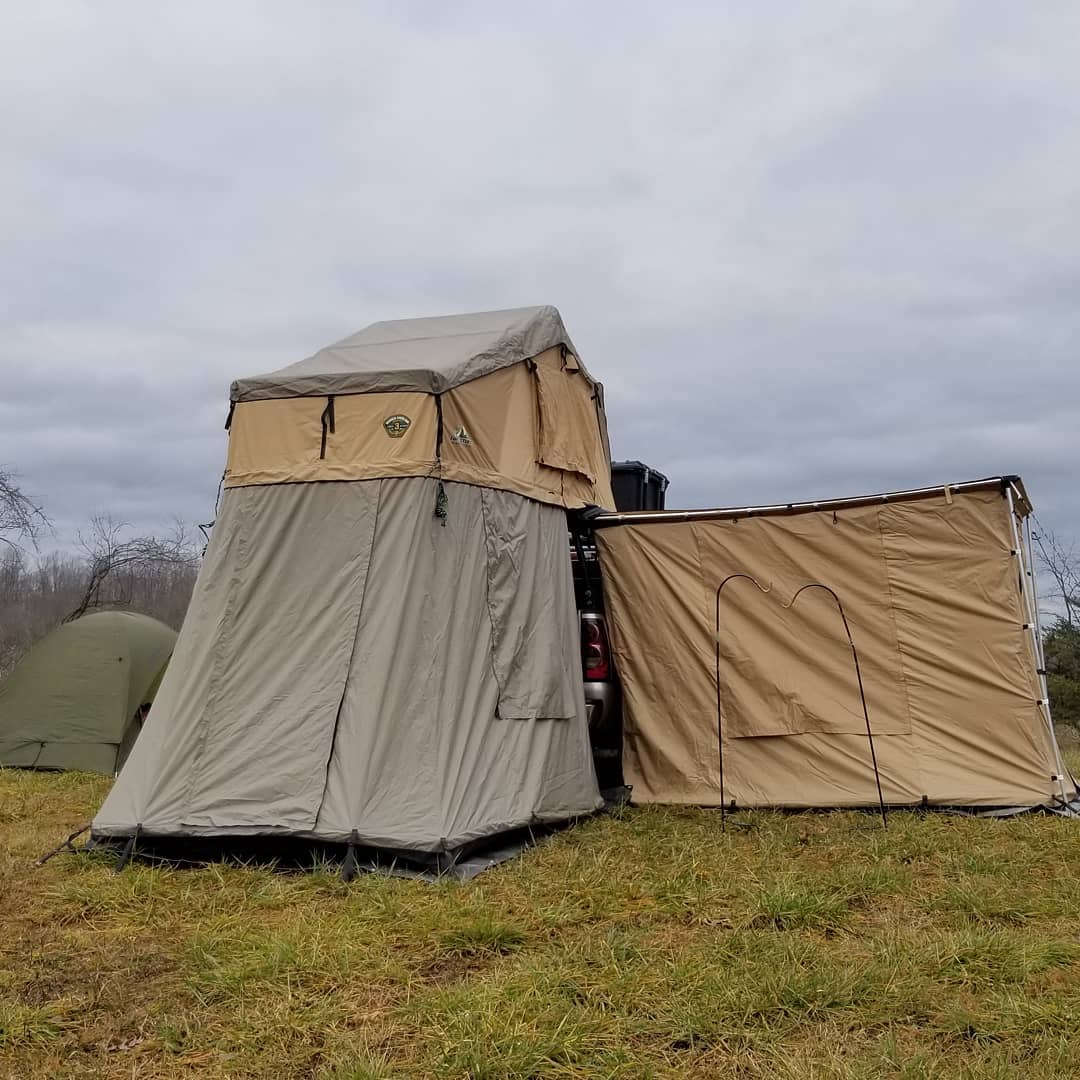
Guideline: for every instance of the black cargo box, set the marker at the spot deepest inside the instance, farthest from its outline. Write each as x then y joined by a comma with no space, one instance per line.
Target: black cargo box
636,486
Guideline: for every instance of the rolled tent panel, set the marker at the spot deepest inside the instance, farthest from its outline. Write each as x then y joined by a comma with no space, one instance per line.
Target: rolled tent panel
567,405
929,588
492,437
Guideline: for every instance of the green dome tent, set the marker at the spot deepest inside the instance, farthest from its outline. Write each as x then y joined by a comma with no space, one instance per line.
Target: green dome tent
74,700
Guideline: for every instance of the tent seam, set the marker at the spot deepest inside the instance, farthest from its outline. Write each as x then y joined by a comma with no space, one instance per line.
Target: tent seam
916,742
214,690
487,602
352,654
718,743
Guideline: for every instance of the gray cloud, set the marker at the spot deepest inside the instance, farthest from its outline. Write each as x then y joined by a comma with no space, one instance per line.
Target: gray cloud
811,251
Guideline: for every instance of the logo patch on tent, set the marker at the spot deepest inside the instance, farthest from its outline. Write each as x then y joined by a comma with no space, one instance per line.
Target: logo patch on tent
461,437
396,426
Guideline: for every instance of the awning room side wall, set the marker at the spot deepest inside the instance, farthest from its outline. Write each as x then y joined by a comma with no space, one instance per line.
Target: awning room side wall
929,588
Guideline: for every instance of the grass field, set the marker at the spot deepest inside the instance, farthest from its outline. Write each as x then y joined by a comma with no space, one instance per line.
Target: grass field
639,945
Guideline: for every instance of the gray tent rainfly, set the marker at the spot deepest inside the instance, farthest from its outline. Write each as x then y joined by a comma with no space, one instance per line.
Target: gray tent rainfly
381,649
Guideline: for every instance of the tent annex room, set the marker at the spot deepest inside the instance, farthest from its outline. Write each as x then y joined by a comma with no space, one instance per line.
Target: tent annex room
381,649
74,700
801,655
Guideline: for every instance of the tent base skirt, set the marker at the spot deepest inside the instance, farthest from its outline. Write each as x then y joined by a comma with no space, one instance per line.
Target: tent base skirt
305,854
301,854
1056,806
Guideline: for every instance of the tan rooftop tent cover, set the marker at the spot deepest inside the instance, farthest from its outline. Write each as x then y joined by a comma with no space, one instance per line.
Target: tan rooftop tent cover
382,643
738,673
498,398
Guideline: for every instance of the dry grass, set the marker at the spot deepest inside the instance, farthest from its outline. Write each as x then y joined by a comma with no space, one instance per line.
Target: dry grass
641,945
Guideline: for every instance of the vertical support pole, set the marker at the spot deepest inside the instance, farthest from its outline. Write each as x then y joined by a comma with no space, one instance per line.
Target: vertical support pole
862,692
858,676
1030,611
348,866
719,709
129,849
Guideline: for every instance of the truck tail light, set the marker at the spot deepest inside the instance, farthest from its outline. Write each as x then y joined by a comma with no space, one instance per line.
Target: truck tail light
595,653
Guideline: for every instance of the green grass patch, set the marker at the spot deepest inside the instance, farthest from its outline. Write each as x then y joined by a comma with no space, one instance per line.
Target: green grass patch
644,944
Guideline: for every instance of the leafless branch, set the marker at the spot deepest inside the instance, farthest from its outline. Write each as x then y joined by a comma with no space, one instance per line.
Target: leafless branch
21,517
1061,562
109,555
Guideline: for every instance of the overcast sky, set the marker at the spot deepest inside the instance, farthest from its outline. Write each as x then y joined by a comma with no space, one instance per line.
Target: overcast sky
811,250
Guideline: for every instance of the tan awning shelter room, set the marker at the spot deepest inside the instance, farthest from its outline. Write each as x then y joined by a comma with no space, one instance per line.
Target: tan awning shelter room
739,674
382,645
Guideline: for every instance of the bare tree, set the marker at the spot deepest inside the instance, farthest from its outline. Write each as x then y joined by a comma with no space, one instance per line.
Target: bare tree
1061,561
124,563
21,518
38,592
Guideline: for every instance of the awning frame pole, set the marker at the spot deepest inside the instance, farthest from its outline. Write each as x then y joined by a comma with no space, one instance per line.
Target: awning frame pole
862,692
719,708
858,676
1033,625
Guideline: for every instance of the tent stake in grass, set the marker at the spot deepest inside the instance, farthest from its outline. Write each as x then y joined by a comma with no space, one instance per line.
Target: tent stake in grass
348,867
67,844
129,850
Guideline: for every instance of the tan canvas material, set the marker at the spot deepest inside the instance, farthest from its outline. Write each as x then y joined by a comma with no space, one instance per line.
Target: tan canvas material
535,426
567,404
280,440
929,586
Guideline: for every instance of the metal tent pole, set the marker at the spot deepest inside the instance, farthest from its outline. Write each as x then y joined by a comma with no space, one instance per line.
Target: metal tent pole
1029,598
719,713
858,676
862,693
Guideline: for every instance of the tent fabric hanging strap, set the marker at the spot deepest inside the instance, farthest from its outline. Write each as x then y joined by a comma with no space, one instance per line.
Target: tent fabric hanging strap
441,501
327,420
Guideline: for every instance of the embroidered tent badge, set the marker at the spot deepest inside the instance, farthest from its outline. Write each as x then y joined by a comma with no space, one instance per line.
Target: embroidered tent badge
396,426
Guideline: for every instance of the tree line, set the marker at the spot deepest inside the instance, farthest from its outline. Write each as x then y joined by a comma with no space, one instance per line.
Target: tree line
112,568
1059,561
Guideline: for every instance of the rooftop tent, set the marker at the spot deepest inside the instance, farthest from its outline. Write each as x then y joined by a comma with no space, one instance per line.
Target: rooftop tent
381,648
742,685
73,701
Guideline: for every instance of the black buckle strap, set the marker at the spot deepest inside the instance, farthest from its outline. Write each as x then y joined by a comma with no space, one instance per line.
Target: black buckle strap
350,865
129,849
327,423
